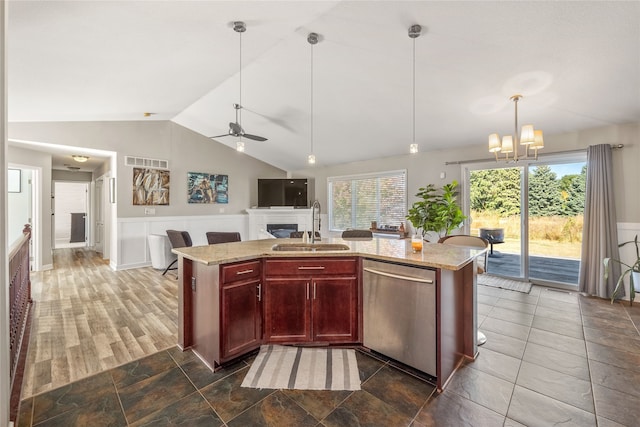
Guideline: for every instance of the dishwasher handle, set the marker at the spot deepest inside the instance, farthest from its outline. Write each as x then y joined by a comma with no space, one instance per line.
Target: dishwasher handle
398,276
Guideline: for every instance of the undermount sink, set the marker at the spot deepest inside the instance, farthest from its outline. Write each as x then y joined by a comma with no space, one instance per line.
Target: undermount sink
309,247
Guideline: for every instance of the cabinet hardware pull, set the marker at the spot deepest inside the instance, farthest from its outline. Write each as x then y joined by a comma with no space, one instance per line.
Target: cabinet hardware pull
244,272
320,267
259,291
307,290
398,276
314,290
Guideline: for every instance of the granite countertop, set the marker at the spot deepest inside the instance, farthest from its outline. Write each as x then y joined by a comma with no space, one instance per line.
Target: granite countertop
399,250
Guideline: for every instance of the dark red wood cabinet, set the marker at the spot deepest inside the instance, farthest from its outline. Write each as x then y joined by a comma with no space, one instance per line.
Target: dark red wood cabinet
240,309
311,300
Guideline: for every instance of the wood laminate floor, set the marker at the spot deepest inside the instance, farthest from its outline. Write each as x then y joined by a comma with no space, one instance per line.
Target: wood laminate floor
88,318
551,358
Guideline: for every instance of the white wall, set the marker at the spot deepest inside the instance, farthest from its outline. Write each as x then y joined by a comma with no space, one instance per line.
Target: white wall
19,207
70,197
41,161
425,167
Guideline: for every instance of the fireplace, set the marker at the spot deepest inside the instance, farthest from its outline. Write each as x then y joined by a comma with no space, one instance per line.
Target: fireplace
281,231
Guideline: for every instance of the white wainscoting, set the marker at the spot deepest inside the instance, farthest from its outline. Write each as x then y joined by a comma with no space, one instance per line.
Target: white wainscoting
627,231
133,244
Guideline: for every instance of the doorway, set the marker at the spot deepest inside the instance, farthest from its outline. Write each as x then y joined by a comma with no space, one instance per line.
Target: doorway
70,214
532,215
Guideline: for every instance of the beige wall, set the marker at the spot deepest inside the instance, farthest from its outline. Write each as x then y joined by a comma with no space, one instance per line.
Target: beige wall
425,167
187,151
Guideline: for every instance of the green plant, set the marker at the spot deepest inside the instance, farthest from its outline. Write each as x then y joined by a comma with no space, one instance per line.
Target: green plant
630,268
436,211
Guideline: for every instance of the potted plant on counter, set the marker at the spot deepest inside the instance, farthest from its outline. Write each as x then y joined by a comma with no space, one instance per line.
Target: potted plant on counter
632,270
436,211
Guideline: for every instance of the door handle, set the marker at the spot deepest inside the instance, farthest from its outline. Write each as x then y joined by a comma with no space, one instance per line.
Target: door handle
244,272
307,290
314,290
320,267
259,291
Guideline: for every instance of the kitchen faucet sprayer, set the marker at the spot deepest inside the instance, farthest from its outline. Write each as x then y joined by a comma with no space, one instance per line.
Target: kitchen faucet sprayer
315,205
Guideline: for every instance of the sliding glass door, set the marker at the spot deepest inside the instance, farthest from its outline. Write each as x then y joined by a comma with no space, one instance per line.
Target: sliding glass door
532,215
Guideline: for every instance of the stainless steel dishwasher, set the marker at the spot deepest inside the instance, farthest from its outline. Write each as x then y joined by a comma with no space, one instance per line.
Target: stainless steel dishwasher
400,313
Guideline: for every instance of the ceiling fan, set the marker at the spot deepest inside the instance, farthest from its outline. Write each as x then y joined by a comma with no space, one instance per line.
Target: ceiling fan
235,128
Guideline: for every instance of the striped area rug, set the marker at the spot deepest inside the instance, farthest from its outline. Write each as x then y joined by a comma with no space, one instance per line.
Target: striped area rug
501,282
304,368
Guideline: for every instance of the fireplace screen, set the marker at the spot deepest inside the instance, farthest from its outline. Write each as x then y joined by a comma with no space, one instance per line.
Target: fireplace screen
281,231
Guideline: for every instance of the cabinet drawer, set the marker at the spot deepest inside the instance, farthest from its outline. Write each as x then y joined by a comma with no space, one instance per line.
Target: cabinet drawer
240,271
310,266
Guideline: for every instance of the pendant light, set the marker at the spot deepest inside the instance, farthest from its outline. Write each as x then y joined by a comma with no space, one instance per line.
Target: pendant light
313,40
414,33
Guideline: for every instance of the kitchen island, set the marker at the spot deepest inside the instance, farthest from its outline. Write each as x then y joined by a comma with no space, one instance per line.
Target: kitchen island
233,297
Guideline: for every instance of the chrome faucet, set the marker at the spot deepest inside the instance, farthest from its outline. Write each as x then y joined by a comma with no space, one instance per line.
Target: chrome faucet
315,205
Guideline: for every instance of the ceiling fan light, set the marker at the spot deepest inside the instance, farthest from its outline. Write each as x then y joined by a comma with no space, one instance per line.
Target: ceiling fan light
413,148
311,159
240,146
526,136
79,158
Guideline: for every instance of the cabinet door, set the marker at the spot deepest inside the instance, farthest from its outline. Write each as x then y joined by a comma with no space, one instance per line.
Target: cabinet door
287,314
241,317
335,309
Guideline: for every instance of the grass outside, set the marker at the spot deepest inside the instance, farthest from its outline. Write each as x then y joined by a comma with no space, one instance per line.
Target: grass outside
548,236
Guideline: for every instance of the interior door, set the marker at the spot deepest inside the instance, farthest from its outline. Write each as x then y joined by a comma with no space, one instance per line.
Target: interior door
99,216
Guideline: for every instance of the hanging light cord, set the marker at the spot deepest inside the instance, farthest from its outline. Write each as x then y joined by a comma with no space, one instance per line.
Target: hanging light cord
414,90
311,109
240,91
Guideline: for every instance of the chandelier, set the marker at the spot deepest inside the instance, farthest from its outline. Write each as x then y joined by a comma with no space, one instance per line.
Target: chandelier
529,137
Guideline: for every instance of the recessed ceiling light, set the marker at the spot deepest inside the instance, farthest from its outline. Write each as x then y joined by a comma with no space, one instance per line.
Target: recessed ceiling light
79,158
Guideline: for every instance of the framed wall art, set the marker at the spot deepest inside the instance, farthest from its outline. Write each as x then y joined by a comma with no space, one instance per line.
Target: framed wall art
207,188
150,186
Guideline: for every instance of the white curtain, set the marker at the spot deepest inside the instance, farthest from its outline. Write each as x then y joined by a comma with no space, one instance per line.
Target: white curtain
599,233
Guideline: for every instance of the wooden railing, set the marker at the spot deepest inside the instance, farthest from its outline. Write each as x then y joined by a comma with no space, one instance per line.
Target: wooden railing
20,313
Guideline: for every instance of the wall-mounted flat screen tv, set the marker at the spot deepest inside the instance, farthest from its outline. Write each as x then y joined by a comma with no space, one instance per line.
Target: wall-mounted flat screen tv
283,192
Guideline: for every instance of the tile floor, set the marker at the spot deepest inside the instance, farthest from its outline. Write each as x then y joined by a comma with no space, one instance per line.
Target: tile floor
551,358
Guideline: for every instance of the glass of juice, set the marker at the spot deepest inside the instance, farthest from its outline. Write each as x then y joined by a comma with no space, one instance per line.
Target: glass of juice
416,243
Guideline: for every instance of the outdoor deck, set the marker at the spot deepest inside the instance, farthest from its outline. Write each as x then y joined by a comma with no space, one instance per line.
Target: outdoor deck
544,268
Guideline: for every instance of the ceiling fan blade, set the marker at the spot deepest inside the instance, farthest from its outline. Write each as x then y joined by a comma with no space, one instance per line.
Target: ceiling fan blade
254,137
220,136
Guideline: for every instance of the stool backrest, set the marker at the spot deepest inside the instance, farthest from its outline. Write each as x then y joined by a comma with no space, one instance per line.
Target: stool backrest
214,237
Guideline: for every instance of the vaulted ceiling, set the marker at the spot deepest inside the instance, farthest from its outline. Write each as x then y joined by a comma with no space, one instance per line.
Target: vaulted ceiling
576,63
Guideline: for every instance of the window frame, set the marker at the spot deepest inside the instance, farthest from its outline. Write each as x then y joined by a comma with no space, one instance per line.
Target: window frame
355,177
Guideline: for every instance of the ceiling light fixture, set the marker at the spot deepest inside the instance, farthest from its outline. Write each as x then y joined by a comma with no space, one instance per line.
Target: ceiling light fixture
312,39
529,137
414,33
79,158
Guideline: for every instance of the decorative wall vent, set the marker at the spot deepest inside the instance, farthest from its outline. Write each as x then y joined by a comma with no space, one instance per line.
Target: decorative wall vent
146,163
